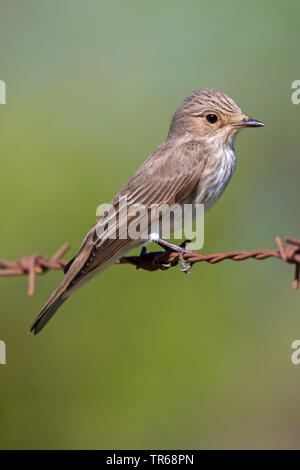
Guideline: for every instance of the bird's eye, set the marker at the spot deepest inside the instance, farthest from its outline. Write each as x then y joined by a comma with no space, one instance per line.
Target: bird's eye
212,118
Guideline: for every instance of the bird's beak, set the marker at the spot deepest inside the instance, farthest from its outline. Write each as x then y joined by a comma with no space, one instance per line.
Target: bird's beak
248,122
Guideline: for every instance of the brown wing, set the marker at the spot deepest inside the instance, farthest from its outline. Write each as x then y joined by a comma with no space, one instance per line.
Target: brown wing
167,177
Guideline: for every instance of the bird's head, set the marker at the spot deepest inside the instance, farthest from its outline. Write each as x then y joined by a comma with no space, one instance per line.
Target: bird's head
209,114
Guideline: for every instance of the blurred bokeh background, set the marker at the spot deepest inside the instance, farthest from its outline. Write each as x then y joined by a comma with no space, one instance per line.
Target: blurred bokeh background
137,359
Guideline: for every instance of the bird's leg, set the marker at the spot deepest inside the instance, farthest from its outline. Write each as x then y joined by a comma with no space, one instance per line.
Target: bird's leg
154,237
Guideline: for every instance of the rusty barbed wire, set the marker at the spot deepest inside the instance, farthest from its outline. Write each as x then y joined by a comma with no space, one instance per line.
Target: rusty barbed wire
37,264
151,261
32,265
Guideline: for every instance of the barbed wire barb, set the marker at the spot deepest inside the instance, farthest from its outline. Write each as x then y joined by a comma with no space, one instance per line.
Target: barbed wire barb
32,265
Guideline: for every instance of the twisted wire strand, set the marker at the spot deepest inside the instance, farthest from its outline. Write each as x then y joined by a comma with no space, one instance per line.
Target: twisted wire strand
289,253
37,264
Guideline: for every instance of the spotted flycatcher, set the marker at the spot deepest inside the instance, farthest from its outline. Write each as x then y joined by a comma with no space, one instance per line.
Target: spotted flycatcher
193,165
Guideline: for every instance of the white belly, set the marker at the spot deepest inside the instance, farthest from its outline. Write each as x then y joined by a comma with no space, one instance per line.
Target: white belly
215,178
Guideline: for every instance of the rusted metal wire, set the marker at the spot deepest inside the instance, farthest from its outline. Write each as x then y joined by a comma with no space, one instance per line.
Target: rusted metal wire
151,261
32,265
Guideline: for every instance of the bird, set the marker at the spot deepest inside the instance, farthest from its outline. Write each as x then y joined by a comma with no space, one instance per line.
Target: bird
193,165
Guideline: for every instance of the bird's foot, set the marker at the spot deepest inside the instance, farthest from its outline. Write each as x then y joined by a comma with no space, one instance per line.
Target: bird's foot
171,248
162,266
185,267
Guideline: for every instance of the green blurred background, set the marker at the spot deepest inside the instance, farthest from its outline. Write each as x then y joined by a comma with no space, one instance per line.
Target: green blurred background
137,359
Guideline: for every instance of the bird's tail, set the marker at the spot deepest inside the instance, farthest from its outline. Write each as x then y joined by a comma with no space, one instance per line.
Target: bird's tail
56,300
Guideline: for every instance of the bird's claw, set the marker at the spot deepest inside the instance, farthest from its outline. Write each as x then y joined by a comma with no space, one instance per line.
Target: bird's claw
185,268
180,250
163,266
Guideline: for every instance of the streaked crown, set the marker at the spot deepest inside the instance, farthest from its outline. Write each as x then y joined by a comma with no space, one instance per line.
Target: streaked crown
209,99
